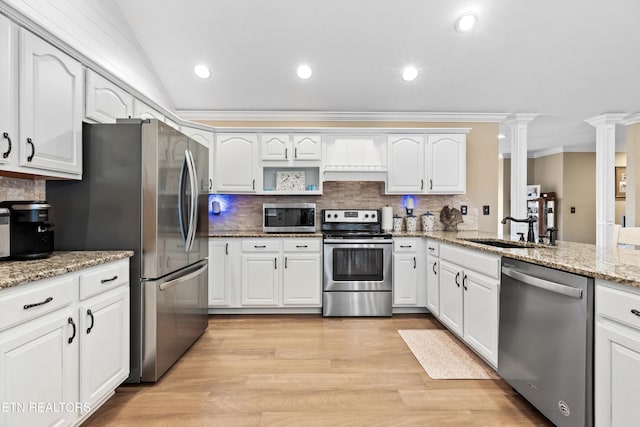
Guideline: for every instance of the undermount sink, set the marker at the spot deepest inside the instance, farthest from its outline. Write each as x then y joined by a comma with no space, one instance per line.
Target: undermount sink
503,243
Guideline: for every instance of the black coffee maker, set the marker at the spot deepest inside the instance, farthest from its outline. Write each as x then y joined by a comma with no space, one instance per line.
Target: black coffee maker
31,234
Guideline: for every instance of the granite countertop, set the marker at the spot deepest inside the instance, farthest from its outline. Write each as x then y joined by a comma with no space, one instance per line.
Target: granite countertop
14,273
260,233
612,264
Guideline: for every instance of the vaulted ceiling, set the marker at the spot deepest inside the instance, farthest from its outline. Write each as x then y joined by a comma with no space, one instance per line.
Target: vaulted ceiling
567,60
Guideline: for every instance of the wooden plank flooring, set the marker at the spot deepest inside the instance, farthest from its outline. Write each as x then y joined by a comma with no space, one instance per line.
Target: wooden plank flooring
306,370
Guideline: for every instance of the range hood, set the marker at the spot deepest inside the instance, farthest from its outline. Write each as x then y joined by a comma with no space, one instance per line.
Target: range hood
355,159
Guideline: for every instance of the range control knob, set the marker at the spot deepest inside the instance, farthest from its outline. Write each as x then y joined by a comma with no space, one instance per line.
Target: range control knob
335,215
373,215
366,215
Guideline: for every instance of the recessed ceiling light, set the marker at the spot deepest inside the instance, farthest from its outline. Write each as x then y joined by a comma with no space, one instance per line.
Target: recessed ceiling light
409,74
304,72
202,71
466,22
501,136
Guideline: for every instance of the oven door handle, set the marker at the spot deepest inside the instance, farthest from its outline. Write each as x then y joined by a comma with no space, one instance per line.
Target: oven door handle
360,241
543,284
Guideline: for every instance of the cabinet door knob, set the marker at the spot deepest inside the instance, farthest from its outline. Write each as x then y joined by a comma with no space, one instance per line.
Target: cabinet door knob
72,323
6,153
90,314
33,149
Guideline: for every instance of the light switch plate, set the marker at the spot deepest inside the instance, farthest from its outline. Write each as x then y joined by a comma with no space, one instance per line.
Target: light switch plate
463,209
485,209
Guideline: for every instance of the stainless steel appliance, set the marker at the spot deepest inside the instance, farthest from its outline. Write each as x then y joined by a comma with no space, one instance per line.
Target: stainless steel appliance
545,345
289,217
31,234
357,279
145,188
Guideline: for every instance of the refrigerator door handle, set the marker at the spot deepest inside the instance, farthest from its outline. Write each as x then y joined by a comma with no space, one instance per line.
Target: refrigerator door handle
182,279
181,194
193,211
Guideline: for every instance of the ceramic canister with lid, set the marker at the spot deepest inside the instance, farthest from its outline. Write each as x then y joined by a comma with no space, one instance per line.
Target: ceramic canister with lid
428,221
411,223
397,223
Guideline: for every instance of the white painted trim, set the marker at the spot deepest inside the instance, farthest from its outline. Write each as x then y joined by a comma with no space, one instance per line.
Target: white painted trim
606,119
553,150
341,116
363,131
633,119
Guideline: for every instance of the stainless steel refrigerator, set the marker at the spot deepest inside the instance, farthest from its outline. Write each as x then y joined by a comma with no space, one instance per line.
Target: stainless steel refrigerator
145,188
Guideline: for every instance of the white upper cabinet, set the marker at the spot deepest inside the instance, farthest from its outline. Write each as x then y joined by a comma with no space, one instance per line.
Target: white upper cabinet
291,147
307,147
50,107
104,101
235,170
427,164
8,94
275,146
143,111
206,138
446,160
406,164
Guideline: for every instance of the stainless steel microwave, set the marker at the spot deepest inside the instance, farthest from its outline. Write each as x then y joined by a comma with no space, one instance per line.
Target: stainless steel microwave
289,217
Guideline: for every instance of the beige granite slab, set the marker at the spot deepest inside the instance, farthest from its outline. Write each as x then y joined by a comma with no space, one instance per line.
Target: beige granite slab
13,273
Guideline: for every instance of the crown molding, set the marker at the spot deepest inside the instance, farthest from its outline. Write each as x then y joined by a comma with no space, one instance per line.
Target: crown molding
340,116
553,150
606,119
633,119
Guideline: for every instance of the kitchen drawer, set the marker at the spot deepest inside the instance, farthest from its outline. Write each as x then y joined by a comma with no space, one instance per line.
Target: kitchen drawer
29,301
103,278
470,259
405,245
433,247
618,305
261,245
302,245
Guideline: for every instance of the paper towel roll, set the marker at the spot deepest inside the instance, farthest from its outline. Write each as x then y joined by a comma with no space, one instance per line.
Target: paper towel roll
387,218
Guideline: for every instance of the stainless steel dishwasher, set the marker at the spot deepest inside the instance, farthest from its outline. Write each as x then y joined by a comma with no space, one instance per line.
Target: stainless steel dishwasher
545,340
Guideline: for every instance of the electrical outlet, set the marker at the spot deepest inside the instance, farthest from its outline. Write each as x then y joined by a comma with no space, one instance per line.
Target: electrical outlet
463,209
573,209
485,209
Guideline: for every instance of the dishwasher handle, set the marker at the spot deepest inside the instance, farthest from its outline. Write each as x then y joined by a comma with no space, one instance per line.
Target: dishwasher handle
543,284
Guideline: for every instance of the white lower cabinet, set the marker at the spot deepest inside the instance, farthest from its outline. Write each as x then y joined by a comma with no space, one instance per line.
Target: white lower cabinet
617,355
433,277
469,297
408,288
265,273
64,345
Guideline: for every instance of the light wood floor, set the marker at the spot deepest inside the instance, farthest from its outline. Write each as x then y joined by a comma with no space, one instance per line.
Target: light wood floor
311,371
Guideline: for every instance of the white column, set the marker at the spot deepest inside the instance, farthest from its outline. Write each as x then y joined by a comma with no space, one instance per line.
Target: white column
518,124
605,125
631,208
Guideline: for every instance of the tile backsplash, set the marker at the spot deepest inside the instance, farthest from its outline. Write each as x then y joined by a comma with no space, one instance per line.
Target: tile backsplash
244,212
22,189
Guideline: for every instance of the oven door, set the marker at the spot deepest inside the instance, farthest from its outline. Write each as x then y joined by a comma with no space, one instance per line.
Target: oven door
357,265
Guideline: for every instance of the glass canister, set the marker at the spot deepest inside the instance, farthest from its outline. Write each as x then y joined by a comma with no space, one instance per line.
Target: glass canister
428,221
397,223
411,223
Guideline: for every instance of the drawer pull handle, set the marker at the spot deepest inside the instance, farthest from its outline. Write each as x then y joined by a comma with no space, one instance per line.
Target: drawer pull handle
432,249
28,306
109,280
259,246
636,312
405,246
302,246
90,314
72,323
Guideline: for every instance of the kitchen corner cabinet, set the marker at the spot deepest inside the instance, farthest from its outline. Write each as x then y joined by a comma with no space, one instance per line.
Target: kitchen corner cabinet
104,101
235,170
427,164
41,106
407,268
72,348
469,297
617,354
206,138
433,277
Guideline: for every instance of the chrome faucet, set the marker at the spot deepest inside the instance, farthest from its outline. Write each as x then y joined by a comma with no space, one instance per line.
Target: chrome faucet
531,237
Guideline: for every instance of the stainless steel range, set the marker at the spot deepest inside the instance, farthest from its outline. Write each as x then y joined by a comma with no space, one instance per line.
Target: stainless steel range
357,277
